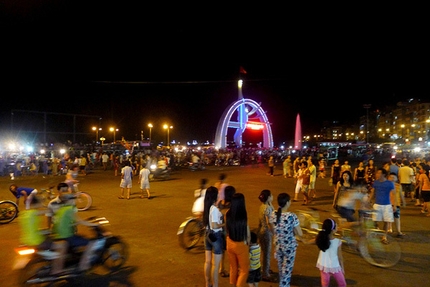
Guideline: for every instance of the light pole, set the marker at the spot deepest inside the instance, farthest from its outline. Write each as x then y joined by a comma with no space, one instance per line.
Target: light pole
166,127
96,129
150,129
114,130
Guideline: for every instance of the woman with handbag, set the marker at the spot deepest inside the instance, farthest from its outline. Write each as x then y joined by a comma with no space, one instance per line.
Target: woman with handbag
214,239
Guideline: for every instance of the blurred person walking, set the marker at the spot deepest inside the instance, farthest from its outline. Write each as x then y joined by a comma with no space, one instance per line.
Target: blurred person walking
383,191
221,185
370,171
400,201
238,239
302,184
312,179
286,226
424,190
271,164
126,180
144,182
335,173
407,178
360,175
287,166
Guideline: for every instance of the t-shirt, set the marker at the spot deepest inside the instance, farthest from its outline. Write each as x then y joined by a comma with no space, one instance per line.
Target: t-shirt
127,171
215,215
254,256
382,191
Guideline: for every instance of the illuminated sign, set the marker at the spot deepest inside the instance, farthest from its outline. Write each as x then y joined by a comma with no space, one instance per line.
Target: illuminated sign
254,126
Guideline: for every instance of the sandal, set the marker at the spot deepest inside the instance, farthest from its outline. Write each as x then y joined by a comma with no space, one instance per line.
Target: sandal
224,274
384,240
121,197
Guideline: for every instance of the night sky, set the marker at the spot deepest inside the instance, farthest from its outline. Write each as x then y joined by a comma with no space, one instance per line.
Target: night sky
132,65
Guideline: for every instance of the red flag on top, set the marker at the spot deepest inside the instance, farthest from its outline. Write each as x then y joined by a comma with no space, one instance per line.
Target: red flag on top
242,70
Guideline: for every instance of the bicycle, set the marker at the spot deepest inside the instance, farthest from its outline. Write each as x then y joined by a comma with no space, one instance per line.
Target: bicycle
365,239
8,211
83,199
190,232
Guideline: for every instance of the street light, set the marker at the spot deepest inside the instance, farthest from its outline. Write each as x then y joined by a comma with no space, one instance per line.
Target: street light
97,132
166,127
114,130
150,129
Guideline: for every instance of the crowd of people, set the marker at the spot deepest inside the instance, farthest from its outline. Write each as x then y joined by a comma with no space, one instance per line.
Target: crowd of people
224,214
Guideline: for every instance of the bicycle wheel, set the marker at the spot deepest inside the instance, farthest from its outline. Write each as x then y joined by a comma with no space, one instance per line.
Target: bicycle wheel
8,211
378,253
83,201
191,234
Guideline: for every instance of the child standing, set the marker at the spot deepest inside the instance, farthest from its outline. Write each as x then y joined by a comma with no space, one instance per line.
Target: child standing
254,275
330,260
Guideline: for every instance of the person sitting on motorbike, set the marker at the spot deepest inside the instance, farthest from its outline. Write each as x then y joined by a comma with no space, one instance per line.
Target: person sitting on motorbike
62,220
199,203
161,164
27,193
71,177
30,222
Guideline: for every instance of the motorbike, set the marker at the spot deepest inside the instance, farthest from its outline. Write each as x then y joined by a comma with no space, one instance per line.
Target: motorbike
33,266
196,166
158,173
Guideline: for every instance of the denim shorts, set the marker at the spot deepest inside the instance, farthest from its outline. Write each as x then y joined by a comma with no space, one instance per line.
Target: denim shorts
346,213
396,213
217,246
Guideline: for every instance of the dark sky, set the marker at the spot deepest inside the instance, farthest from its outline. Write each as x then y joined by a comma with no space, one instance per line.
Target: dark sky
137,64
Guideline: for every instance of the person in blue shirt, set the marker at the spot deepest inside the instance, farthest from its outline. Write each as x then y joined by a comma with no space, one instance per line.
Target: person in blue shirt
383,192
27,193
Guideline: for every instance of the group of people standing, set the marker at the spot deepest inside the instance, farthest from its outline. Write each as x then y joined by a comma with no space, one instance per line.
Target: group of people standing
249,252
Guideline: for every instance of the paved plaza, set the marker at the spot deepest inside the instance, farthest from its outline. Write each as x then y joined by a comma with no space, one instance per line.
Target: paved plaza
149,228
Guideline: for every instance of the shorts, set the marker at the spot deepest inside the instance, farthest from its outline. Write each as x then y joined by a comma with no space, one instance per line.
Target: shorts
254,276
312,184
425,194
305,188
346,213
144,185
125,183
396,213
383,213
407,187
217,246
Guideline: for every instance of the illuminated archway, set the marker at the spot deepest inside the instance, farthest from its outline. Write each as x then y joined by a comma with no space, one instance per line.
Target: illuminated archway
249,113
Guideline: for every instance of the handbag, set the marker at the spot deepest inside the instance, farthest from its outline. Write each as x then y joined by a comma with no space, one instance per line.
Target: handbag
210,235
330,182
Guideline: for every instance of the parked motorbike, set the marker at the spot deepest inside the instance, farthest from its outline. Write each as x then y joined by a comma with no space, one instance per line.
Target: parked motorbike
34,266
158,173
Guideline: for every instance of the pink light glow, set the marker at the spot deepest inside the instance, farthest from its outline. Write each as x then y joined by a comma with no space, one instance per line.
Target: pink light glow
298,134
